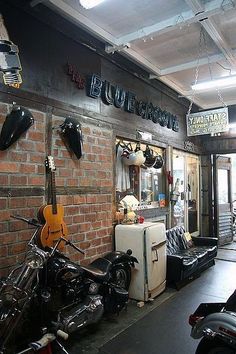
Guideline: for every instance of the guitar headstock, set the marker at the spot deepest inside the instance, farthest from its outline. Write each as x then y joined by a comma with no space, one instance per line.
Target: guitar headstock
49,163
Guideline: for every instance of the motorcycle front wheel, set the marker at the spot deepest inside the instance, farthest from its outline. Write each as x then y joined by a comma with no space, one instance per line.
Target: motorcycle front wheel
213,346
121,276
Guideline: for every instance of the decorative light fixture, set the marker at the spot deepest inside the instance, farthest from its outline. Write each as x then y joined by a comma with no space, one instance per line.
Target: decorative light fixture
225,81
88,4
10,64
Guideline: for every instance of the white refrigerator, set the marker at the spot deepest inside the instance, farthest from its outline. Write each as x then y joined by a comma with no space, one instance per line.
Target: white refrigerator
148,244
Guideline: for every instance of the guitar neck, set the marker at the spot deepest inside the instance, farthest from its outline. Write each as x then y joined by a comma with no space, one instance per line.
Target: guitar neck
53,192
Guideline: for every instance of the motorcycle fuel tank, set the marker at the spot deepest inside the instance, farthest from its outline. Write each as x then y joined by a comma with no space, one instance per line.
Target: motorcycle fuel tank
16,123
61,270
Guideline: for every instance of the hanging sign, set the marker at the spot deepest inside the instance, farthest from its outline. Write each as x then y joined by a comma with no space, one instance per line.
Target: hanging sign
208,122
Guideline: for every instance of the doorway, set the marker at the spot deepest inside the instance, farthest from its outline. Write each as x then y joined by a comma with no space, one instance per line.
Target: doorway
222,182
185,210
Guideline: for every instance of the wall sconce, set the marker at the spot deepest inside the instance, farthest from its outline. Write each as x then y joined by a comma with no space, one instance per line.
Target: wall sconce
10,64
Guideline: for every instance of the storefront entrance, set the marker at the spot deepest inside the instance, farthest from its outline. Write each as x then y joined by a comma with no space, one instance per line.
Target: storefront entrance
185,210
222,198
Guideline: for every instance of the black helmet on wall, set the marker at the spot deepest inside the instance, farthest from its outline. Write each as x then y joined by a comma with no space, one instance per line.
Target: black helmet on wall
71,130
150,158
159,162
16,123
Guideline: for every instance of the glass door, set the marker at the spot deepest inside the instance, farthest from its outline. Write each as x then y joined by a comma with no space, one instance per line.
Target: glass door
185,204
178,206
193,194
222,199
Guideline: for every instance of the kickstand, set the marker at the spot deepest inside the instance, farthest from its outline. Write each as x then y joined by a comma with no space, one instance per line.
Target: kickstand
61,346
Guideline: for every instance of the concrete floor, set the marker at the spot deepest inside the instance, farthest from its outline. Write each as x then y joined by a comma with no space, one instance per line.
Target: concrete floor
160,327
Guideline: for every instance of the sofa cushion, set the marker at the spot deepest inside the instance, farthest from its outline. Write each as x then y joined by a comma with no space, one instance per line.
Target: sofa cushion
189,243
174,241
211,250
189,261
201,255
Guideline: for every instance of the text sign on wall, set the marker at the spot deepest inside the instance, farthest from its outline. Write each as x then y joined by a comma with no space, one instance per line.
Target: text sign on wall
115,95
208,122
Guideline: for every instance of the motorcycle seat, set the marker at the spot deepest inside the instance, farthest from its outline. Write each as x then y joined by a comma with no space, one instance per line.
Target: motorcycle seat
98,269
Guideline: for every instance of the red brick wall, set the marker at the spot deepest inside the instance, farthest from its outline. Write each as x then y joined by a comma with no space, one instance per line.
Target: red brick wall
84,187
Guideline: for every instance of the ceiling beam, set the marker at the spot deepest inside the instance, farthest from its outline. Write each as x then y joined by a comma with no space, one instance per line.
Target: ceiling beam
142,61
211,28
217,103
191,65
185,18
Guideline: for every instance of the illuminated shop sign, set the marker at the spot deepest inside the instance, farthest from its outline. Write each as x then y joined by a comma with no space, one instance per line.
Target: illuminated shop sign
208,122
117,96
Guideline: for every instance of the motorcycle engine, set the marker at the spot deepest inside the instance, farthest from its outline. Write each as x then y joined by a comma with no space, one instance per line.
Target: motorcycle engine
87,312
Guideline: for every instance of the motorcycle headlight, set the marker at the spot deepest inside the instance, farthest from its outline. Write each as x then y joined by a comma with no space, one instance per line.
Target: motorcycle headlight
34,260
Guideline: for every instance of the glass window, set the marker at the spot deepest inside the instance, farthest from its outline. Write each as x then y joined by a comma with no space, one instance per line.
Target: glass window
192,193
185,192
178,191
144,182
152,186
223,195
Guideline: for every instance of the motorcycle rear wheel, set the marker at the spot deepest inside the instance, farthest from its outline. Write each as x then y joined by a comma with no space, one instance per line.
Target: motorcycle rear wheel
121,276
213,346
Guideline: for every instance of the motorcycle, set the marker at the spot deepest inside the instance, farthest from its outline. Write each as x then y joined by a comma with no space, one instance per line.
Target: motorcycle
215,323
50,290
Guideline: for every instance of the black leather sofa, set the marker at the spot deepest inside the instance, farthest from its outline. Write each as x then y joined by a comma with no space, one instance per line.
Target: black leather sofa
187,259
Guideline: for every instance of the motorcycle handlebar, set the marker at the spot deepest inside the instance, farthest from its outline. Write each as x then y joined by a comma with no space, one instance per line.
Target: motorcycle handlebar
67,242
33,222
62,334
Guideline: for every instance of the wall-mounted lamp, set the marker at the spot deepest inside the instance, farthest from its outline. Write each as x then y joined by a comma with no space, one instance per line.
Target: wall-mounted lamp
88,4
10,64
225,81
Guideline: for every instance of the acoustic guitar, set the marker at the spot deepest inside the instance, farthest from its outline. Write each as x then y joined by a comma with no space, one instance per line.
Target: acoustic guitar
51,215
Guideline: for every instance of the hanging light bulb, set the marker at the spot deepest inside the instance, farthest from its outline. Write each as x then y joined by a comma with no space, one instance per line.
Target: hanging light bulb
88,4
10,64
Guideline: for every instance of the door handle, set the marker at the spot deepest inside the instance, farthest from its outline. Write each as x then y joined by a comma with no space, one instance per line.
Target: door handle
156,260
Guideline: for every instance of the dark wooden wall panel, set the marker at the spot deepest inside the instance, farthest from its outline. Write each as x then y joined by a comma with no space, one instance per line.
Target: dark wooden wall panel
146,93
44,53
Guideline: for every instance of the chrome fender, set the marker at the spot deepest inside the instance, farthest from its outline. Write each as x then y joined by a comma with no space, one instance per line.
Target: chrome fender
219,323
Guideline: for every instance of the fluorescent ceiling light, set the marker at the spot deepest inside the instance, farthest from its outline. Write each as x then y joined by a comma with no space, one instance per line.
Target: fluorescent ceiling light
88,4
223,82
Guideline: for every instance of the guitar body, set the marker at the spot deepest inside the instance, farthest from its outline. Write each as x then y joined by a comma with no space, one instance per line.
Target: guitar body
54,226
